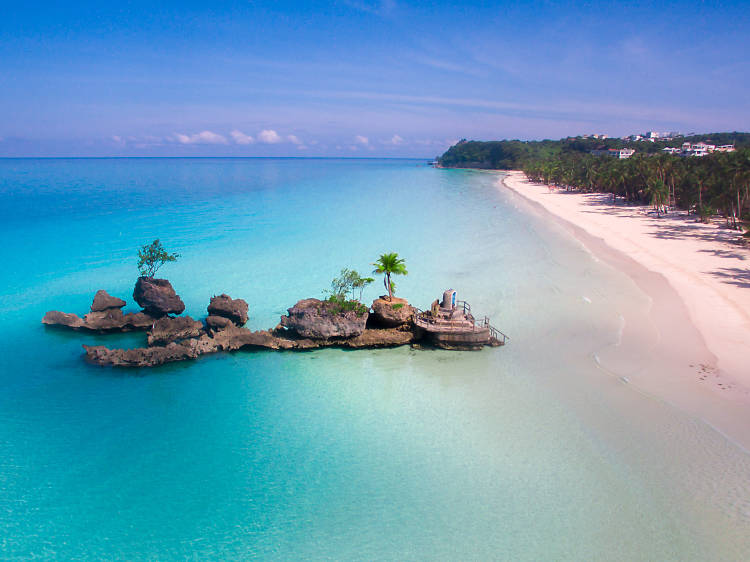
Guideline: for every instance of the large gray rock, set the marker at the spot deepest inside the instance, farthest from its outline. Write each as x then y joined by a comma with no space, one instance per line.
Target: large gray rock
167,329
104,301
313,318
393,313
226,306
157,297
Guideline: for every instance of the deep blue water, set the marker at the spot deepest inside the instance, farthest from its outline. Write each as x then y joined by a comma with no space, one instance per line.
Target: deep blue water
522,452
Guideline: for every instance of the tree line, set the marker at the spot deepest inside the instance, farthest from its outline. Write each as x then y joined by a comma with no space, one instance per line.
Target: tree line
706,185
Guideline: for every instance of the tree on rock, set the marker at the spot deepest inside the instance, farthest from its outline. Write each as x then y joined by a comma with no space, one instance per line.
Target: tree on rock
390,264
152,256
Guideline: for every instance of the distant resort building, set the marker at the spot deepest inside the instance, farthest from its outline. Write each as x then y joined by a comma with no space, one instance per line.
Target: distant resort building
619,153
698,149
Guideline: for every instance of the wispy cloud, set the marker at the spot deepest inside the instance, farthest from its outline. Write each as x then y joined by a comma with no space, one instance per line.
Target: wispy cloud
241,138
395,140
294,139
359,139
269,136
378,7
204,137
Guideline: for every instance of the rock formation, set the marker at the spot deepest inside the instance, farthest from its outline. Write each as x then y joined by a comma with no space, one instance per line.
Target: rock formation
157,297
393,313
233,309
313,318
167,329
104,301
233,338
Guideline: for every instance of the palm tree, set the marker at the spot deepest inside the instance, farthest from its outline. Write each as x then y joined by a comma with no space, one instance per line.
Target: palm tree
390,264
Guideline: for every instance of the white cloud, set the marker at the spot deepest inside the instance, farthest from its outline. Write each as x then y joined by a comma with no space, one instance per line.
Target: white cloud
204,137
293,139
116,138
241,138
362,140
395,140
301,147
269,136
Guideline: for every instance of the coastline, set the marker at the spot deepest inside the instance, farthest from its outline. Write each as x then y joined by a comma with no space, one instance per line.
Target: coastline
699,284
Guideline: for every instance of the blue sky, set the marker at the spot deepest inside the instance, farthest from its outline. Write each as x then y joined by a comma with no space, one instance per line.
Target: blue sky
360,78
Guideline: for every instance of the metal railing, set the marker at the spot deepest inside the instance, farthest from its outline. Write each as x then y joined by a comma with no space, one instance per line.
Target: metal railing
426,320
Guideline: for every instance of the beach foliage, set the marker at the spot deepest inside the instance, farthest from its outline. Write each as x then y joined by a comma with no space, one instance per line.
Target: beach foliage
349,282
387,265
152,256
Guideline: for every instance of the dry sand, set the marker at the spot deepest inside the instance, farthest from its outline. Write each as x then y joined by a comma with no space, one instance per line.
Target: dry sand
698,278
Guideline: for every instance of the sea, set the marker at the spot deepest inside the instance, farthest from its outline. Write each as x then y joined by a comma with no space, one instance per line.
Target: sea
531,451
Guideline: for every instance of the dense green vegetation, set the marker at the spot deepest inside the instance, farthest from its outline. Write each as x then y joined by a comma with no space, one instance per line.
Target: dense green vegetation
716,183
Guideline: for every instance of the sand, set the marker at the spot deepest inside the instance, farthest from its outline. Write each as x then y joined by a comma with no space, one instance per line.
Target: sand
698,278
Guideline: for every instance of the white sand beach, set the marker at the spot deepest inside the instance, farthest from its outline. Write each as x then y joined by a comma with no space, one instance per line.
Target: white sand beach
698,277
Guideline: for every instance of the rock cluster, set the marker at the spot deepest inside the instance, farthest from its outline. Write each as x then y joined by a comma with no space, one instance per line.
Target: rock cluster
105,316
313,318
157,297
310,324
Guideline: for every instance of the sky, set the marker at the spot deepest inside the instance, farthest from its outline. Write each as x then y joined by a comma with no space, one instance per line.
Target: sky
361,78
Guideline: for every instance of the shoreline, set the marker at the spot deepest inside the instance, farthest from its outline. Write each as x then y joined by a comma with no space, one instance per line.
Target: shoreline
701,312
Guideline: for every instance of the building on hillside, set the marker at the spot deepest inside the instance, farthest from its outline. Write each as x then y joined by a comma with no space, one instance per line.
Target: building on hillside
620,153
725,148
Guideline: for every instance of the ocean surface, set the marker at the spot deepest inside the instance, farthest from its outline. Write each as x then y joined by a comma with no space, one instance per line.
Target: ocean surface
528,452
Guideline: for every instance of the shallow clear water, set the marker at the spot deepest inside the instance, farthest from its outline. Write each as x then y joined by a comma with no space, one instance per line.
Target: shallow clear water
525,452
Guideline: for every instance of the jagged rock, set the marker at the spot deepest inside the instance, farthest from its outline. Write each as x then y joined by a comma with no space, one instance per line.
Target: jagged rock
57,318
104,301
226,306
110,320
167,329
218,323
316,319
157,297
391,314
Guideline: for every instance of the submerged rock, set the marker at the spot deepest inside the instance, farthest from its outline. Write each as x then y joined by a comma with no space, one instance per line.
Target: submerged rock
234,309
234,338
157,297
316,319
104,301
393,313
167,329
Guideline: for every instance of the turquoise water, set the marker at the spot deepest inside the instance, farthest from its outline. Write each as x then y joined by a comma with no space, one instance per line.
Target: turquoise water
524,452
